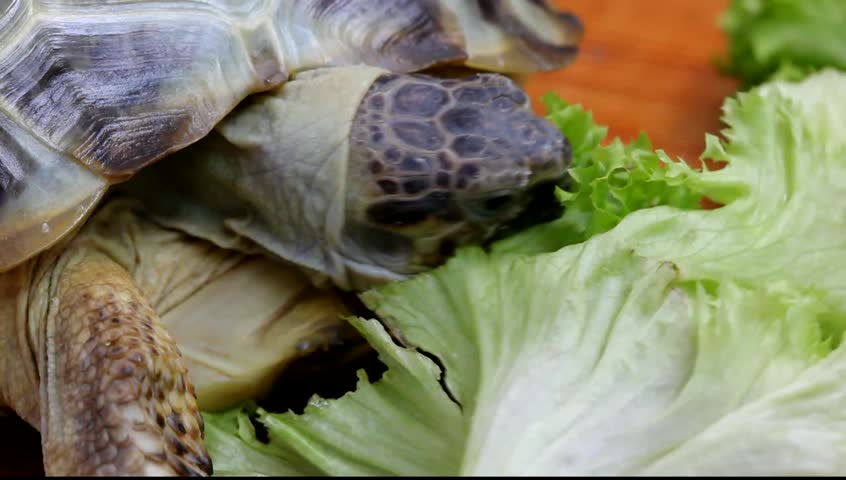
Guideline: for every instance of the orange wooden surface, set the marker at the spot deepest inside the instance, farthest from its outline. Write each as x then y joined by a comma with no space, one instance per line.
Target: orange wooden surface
645,65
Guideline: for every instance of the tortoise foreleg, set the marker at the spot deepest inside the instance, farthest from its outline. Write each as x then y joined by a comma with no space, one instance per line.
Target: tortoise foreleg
115,398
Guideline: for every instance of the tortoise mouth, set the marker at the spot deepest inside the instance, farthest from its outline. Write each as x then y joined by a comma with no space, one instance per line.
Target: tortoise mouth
543,207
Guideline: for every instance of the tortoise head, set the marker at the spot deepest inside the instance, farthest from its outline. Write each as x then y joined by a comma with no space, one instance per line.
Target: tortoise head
437,163
359,175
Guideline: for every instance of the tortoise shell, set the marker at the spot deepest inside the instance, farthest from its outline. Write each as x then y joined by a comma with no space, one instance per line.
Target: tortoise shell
92,91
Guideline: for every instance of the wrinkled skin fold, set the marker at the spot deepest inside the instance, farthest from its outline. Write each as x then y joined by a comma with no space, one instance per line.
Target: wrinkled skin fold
102,317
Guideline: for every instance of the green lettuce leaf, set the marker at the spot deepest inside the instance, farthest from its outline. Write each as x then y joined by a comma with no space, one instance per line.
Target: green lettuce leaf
679,341
784,187
563,364
784,39
236,450
607,182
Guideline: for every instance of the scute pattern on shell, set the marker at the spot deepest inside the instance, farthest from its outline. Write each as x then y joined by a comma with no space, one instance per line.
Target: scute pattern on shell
119,91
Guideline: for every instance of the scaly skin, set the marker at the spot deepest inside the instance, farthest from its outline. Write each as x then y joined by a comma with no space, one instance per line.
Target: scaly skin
92,316
117,394
111,394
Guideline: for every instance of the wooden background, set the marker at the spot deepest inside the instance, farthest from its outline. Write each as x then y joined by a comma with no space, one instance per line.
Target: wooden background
645,65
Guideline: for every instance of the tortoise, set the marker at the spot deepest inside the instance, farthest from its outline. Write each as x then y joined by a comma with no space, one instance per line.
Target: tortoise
186,186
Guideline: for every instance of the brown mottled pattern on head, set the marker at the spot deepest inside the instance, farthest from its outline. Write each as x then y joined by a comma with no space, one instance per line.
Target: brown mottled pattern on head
423,140
437,163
